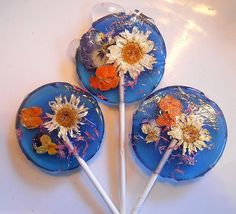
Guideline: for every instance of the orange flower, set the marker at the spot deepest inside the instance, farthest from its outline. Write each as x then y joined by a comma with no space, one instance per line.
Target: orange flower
165,120
30,117
171,105
106,78
172,108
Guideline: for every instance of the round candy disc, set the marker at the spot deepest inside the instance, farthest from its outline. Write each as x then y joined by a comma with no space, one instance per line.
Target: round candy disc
131,29
40,121
187,115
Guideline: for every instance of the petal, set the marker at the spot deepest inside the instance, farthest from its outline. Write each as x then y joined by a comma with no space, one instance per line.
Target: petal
115,82
106,71
190,148
146,128
151,138
120,41
157,130
134,73
184,148
126,35
45,139
171,105
115,52
147,61
176,133
135,30
199,145
94,82
41,149
52,151
98,58
147,46
104,85
165,120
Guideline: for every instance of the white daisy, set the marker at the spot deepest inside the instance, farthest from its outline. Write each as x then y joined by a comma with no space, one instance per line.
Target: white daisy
152,131
189,133
67,116
130,53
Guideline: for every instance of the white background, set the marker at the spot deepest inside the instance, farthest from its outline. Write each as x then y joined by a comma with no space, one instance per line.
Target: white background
34,37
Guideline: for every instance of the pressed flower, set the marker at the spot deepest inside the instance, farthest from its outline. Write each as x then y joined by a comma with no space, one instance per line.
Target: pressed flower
171,108
66,117
30,117
165,120
189,132
106,78
43,144
93,48
130,53
152,131
171,105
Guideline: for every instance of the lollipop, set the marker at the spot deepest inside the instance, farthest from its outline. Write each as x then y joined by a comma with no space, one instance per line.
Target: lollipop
121,60
177,133
60,127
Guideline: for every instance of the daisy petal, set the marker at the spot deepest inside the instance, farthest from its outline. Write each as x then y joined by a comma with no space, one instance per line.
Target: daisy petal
130,53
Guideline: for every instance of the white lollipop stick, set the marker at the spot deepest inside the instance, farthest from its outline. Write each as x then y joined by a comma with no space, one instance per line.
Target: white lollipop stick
122,147
153,177
100,10
92,177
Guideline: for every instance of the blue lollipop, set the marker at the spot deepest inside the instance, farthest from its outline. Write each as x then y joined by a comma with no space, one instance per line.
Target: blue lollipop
121,60
143,68
60,127
177,133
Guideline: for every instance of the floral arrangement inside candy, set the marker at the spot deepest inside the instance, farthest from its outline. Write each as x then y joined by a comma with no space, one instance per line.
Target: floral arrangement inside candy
66,118
110,56
184,126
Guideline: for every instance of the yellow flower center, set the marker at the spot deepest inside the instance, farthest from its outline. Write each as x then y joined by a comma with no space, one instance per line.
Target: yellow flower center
190,134
131,53
67,117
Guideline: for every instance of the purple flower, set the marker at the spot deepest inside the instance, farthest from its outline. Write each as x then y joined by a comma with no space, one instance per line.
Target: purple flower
93,48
